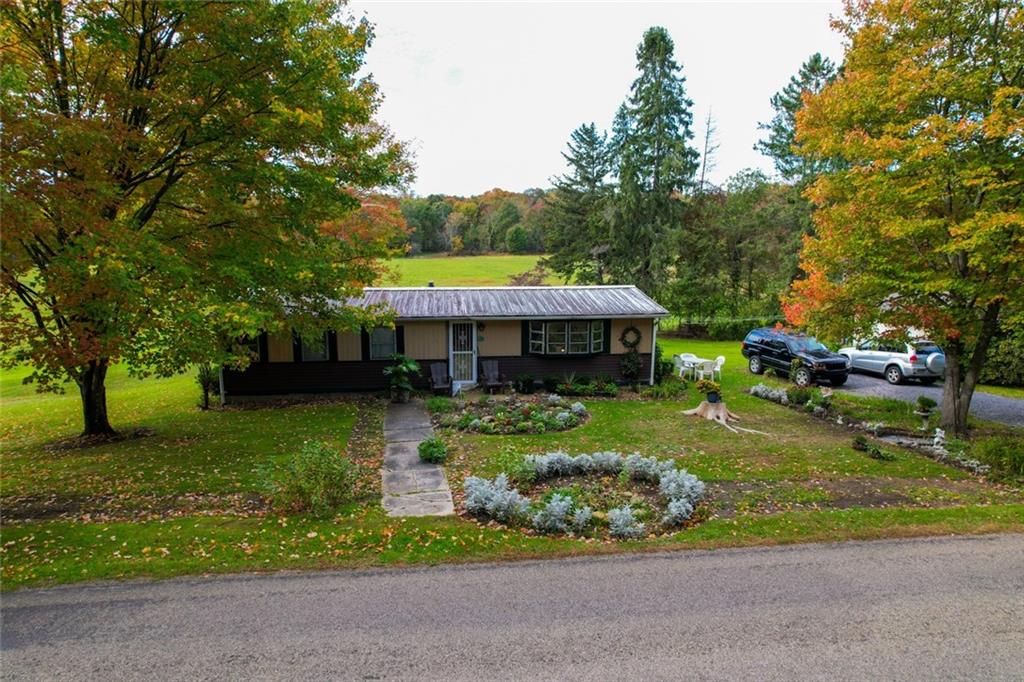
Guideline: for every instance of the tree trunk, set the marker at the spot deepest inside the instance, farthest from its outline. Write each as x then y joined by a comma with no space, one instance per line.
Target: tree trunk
962,374
93,389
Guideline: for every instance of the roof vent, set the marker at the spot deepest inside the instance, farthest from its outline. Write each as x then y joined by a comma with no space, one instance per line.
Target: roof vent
430,284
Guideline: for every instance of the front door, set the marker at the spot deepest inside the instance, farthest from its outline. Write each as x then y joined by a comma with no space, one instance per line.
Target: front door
463,360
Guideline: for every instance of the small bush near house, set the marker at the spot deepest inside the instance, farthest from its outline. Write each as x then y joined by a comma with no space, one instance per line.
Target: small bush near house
524,384
433,450
550,383
926,404
317,480
208,379
1004,454
663,369
439,404
623,524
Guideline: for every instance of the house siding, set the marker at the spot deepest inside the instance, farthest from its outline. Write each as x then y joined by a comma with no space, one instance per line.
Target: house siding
280,348
426,340
349,347
646,328
500,338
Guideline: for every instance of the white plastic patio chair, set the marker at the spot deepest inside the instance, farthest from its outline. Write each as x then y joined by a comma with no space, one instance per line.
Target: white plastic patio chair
685,363
719,361
704,370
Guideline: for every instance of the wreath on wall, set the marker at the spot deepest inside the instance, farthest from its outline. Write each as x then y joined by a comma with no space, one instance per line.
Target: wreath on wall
630,337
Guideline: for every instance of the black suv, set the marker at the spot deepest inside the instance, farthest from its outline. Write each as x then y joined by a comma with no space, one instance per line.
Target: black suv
767,348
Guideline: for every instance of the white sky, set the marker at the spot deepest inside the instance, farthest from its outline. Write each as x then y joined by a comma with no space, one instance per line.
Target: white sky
487,93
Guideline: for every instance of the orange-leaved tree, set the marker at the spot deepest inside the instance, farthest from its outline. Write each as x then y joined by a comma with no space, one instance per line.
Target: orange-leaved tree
178,174
924,230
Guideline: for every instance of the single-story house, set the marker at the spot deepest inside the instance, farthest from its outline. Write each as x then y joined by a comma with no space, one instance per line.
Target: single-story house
541,331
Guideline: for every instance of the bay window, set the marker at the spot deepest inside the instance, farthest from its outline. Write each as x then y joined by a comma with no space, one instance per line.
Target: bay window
573,337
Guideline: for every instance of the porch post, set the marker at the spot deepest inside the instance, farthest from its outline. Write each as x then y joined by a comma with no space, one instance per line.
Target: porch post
654,348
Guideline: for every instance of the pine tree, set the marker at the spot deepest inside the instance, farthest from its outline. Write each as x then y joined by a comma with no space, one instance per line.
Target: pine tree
780,144
655,165
576,230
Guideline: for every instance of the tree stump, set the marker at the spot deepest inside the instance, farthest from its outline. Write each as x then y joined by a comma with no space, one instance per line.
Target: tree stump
719,413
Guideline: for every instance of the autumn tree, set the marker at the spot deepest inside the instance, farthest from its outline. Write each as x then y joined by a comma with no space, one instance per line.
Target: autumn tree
780,144
176,174
924,229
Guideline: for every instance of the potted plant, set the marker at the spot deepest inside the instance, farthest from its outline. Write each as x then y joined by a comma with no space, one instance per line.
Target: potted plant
711,389
925,406
400,376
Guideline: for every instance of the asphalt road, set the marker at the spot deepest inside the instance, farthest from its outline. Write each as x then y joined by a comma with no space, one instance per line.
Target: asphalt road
949,608
989,406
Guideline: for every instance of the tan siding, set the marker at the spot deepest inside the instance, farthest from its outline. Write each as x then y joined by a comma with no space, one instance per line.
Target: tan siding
280,348
350,347
426,340
646,328
500,339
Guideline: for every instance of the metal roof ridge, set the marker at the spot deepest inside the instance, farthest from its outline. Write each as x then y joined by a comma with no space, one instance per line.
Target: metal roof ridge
490,288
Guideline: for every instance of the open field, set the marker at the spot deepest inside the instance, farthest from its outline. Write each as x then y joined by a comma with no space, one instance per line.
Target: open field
189,498
461,271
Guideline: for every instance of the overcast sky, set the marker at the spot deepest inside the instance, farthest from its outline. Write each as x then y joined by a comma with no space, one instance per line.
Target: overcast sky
487,93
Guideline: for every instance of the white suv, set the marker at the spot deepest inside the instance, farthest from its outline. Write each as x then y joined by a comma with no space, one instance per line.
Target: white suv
897,361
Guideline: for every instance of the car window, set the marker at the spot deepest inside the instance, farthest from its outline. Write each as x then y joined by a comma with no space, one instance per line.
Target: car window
890,347
926,348
866,345
805,344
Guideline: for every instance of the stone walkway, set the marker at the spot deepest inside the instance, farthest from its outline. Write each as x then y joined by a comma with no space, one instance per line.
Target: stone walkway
411,487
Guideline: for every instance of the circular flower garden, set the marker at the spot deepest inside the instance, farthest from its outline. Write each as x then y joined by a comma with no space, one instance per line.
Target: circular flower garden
519,414
598,495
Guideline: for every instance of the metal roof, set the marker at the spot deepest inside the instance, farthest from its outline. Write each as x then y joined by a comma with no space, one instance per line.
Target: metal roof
445,303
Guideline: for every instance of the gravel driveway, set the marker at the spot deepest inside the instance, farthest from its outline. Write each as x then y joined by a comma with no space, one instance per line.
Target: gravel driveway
983,405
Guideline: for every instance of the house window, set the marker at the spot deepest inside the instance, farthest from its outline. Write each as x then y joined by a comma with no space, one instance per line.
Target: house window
382,343
556,333
536,337
315,349
577,337
597,336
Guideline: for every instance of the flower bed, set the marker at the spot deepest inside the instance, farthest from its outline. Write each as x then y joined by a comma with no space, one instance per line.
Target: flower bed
607,494
519,414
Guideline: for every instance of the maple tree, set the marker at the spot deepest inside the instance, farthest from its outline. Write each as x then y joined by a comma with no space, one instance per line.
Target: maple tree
179,174
924,230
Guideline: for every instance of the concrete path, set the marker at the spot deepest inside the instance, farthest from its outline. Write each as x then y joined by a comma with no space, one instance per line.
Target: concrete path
411,487
941,609
989,406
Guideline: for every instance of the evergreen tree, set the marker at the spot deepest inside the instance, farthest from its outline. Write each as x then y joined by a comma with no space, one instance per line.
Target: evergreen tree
793,164
576,232
655,166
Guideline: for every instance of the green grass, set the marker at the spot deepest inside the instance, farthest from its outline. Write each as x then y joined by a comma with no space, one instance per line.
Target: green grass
461,271
1005,391
174,503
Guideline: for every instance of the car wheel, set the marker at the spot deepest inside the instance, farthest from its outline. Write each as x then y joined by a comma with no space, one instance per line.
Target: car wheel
893,374
802,377
754,365
838,381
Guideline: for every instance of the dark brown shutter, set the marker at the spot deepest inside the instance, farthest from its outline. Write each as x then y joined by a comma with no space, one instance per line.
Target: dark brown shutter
364,345
262,347
607,336
526,337
296,347
400,338
332,346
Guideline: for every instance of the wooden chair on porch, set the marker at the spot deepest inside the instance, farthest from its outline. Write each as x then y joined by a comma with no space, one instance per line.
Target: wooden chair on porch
440,380
492,376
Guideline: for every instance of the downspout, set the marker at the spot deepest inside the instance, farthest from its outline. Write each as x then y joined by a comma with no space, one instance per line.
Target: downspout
223,398
654,349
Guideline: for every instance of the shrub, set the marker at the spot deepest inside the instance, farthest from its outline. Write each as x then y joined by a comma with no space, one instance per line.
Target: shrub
400,374
646,468
798,395
550,382
663,368
581,518
860,443
494,499
679,484
926,404
1003,454
623,524
465,420
670,388
677,511
607,462
631,365
578,409
776,395
1006,364
317,480
209,382
433,450
523,383
553,517
439,404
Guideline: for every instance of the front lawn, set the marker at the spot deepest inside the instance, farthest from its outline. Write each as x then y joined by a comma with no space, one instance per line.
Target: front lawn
189,498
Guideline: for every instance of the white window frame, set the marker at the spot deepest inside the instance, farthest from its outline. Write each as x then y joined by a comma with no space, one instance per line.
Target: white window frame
551,333
538,337
375,346
572,347
597,328
543,334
